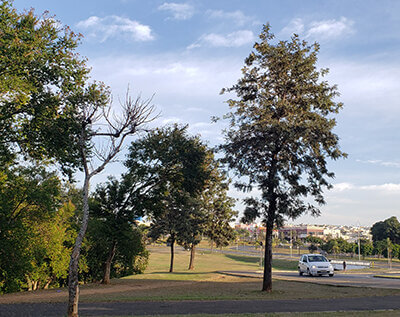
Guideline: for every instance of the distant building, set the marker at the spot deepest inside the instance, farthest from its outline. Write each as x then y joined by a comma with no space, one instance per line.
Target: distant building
301,231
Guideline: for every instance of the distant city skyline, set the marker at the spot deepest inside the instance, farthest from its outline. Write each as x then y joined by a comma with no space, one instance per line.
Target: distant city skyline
185,52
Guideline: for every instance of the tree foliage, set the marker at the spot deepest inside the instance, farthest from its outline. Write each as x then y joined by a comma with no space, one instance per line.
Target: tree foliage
115,242
218,208
39,72
280,132
29,213
389,228
176,166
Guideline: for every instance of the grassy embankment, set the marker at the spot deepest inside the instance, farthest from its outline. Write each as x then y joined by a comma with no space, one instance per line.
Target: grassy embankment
206,282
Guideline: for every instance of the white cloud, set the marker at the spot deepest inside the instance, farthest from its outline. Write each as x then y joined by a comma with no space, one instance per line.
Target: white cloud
294,26
329,29
382,188
319,30
170,120
342,187
382,163
179,11
116,26
387,188
179,81
235,17
234,39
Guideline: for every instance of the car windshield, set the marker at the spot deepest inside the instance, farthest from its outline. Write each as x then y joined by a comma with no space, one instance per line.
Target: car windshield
317,258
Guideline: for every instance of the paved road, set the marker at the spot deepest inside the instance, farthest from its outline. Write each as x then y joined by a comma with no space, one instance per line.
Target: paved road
207,307
347,279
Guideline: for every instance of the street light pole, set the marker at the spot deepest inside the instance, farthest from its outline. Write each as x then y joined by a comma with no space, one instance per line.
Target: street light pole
359,251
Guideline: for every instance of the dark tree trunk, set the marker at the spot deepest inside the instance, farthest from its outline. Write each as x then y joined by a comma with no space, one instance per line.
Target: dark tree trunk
267,280
107,264
73,279
192,254
171,266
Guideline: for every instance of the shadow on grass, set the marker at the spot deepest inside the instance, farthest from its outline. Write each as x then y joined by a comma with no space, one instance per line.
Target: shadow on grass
276,263
243,258
180,273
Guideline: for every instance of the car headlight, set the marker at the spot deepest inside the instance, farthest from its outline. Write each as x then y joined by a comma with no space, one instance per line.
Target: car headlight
313,267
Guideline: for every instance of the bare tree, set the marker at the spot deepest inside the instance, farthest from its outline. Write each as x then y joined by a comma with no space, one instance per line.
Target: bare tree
99,123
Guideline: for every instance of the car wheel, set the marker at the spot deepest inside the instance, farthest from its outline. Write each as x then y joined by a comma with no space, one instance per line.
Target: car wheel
331,275
300,273
308,272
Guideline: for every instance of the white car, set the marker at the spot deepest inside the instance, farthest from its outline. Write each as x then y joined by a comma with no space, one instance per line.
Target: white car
315,264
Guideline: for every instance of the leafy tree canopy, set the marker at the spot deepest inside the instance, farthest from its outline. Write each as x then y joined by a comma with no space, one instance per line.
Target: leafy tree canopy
39,72
177,167
389,228
29,200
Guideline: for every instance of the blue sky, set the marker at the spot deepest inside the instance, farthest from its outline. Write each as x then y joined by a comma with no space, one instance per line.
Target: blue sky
185,52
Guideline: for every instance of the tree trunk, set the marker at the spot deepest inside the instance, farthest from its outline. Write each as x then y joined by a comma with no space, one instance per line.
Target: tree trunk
171,267
29,281
107,264
73,279
192,254
46,286
212,246
267,280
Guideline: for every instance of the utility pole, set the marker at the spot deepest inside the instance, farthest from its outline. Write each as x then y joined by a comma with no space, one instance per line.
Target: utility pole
359,249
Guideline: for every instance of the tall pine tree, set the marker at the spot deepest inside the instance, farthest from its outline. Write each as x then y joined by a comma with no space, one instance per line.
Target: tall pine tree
280,133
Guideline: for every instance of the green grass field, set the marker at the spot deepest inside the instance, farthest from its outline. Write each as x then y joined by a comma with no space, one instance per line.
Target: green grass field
206,282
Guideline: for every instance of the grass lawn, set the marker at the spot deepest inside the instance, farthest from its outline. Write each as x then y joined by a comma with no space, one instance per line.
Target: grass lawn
204,283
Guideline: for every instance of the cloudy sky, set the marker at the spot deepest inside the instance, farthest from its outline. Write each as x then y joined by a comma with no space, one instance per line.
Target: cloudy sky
185,52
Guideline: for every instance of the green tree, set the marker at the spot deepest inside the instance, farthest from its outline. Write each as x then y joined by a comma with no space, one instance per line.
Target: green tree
389,228
315,240
396,251
178,163
29,199
39,70
312,248
280,133
212,215
218,208
50,248
366,247
113,226
379,247
298,243
50,111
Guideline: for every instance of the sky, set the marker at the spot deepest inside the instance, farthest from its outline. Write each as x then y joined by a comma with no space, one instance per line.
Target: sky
183,53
